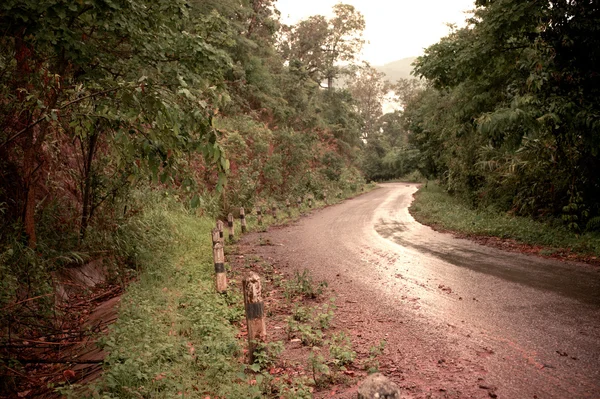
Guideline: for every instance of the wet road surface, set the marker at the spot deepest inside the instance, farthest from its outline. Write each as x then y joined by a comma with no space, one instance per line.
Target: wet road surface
460,319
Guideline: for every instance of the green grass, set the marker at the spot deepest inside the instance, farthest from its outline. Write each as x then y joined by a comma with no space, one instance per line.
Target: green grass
433,206
174,336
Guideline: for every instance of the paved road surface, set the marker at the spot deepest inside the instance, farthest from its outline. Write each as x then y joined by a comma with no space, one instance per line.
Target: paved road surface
461,320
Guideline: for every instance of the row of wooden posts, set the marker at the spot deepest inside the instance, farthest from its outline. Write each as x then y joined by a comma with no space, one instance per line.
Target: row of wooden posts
251,284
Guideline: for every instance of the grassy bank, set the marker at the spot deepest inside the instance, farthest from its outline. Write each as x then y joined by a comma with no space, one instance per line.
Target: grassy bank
175,337
433,206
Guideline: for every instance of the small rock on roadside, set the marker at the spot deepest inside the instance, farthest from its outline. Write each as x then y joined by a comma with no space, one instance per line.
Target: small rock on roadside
377,386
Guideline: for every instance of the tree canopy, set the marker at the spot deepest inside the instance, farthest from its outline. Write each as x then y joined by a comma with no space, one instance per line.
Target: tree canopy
511,117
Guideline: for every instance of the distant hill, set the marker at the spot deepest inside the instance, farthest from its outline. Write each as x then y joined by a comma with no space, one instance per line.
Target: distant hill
397,69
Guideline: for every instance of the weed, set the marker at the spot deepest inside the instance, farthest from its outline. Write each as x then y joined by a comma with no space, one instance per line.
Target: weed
325,316
309,335
318,367
301,313
277,280
371,365
340,349
266,354
302,284
297,388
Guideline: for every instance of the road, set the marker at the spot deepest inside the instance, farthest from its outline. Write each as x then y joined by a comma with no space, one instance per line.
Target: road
460,319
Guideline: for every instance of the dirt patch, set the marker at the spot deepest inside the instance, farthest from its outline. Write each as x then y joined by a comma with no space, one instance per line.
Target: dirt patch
382,337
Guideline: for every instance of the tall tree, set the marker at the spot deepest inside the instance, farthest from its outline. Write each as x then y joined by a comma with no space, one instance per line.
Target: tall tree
322,44
135,61
368,89
520,91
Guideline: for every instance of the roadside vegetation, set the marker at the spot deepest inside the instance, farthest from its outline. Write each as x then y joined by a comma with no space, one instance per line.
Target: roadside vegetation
435,207
307,352
174,335
126,125
111,109
509,119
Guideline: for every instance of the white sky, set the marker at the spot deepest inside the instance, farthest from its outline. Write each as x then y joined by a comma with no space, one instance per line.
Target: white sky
396,29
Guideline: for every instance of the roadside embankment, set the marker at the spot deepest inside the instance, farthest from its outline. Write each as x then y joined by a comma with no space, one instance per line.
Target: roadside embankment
434,207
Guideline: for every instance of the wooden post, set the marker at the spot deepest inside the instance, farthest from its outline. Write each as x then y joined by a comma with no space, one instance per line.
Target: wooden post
255,312
274,211
230,225
259,215
287,205
219,260
243,219
325,197
299,202
220,227
216,235
310,204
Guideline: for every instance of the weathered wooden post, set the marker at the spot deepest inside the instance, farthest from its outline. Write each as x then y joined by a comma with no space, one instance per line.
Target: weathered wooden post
259,215
299,202
219,261
243,219
274,211
255,312
230,225
287,206
220,227
325,197
216,236
310,203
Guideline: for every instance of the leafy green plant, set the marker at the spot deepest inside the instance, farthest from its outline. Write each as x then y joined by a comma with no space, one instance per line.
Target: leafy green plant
302,284
340,349
308,334
371,364
324,315
301,313
266,354
318,367
298,388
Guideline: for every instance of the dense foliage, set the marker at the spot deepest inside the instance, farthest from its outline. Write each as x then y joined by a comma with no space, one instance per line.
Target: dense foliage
511,118
202,100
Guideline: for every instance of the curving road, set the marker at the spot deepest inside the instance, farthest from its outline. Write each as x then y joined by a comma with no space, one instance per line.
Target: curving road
460,319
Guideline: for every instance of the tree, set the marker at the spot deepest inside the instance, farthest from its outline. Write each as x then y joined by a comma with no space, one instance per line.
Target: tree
519,126
96,72
321,44
368,90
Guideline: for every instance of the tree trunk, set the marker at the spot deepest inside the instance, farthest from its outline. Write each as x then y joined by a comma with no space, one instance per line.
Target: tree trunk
86,212
23,55
29,206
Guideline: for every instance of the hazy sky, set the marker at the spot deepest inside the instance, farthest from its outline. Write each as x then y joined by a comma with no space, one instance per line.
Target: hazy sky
395,28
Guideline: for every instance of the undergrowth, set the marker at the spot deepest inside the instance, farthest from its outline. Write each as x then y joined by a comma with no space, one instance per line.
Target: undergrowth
434,206
174,335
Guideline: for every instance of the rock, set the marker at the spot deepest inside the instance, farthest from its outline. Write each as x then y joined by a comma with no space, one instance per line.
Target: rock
377,386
